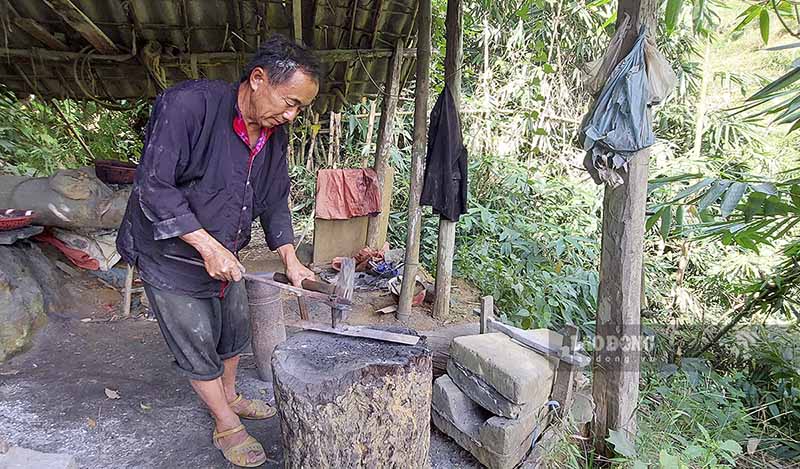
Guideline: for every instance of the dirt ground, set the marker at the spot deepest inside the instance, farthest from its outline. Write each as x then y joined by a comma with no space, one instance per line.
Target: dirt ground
54,397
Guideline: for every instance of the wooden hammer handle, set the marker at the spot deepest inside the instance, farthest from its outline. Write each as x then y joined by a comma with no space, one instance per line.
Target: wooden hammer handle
312,285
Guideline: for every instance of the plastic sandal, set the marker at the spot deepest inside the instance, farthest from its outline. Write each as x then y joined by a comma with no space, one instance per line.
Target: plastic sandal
238,454
253,409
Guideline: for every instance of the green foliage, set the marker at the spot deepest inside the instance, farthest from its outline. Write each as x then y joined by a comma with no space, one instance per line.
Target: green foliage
36,140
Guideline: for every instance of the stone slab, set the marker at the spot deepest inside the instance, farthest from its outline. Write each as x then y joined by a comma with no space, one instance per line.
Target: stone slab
484,394
500,435
521,375
21,458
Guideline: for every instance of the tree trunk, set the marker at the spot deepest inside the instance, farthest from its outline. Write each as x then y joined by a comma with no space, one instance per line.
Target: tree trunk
615,386
352,402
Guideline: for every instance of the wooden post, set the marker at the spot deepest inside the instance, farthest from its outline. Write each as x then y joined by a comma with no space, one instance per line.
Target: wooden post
487,313
447,228
385,140
126,300
297,21
418,152
616,367
564,381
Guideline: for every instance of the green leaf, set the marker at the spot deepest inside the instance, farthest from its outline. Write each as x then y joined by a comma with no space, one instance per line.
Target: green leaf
713,194
668,460
763,24
785,80
672,14
749,15
692,189
680,214
732,198
731,447
651,221
639,465
666,223
622,444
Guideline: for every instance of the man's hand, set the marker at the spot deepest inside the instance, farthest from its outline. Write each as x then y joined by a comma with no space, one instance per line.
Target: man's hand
295,269
220,263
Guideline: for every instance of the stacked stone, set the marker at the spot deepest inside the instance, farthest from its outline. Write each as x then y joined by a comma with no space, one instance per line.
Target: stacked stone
493,400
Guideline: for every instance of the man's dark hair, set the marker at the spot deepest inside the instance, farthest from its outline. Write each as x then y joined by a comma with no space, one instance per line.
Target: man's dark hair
280,57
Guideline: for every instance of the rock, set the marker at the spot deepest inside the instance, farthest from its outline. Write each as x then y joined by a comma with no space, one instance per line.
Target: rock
352,402
10,237
496,442
511,379
29,288
21,458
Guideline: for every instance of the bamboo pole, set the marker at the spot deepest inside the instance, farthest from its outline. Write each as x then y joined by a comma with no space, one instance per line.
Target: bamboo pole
447,228
373,110
385,139
418,151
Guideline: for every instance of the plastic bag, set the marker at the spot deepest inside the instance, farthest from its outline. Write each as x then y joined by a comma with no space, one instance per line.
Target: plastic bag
661,79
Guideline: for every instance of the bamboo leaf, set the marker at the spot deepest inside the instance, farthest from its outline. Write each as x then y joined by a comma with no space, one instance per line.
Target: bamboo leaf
680,214
783,82
672,14
763,24
749,15
666,223
651,221
732,198
713,194
693,189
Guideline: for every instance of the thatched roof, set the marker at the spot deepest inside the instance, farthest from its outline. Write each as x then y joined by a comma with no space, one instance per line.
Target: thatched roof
129,49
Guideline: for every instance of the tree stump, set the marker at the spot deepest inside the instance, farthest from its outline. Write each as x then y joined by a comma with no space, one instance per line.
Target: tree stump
353,402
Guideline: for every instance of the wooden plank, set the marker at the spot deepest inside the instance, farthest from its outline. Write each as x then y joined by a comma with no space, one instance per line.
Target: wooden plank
81,23
333,238
447,228
615,376
439,341
418,152
386,138
38,32
204,58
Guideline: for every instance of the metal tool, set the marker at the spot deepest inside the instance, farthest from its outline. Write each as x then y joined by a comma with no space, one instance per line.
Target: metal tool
338,297
521,336
321,292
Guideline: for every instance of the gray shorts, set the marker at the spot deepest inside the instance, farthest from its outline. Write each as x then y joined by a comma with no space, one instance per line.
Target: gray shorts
202,332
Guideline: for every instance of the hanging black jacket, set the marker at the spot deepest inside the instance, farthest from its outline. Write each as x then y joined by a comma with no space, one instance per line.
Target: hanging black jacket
445,183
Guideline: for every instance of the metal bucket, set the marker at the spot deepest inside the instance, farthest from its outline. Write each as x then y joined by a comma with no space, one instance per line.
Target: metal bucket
266,322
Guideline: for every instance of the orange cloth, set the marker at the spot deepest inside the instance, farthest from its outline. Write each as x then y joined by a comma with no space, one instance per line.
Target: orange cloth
347,193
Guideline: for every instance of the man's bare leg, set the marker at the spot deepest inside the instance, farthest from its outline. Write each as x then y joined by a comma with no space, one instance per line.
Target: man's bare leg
213,395
229,377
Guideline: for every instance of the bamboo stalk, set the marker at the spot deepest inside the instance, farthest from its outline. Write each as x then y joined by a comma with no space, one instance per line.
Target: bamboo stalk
421,92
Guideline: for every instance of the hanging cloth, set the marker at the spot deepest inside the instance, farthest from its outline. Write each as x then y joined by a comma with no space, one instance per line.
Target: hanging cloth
445,181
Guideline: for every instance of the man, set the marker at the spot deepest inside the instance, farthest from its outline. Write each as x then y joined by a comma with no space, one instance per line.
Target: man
214,160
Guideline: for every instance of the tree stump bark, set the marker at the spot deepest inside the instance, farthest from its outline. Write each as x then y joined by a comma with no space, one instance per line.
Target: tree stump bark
352,402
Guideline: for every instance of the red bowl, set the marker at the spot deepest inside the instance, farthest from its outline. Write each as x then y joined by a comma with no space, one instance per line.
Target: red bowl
12,219
115,172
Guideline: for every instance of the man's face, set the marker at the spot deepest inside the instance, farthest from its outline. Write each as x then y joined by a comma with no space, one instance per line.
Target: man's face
273,105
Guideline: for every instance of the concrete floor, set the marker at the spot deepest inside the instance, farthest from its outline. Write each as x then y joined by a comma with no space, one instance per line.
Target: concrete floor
52,399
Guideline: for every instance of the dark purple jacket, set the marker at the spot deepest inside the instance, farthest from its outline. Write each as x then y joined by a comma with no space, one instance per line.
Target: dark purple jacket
195,173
